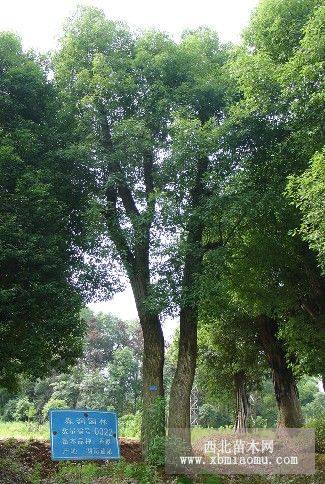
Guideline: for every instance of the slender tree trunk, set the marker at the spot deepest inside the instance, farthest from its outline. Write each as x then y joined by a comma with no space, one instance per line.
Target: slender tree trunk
242,403
285,388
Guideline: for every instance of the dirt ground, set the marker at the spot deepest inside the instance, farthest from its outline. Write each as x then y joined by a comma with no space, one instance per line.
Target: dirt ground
29,462
37,454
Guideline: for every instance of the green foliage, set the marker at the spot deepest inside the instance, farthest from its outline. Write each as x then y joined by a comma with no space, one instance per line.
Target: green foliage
308,194
277,26
156,451
155,423
40,239
140,472
106,376
84,473
319,425
308,390
264,408
210,416
315,410
152,158
24,410
130,426
52,404
9,409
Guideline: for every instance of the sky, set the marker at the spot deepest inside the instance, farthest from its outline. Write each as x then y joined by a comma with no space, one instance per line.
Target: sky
39,23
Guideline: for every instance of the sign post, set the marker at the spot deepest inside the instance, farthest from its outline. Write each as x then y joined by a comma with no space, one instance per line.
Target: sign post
84,435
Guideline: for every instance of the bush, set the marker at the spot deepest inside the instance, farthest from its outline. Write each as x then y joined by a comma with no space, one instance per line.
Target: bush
25,410
84,473
130,425
319,425
9,410
156,451
134,472
259,422
52,404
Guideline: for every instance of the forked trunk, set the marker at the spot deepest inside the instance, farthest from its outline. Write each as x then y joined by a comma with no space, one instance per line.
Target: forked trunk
242,403
285,388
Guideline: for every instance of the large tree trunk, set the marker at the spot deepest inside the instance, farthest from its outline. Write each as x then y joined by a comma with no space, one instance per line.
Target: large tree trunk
179,402
153,404
180,393
285,388
242,403
153,413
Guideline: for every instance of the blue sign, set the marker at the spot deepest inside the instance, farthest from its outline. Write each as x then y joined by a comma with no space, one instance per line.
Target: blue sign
84,435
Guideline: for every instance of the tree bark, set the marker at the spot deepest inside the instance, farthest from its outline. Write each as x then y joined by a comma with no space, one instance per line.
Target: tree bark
242,403
285,388
180,393
153,406
137,265
153,414
179,402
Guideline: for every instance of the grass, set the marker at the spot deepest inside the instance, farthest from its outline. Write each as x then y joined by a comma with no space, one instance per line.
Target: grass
24,431
13,469
34,431
39,468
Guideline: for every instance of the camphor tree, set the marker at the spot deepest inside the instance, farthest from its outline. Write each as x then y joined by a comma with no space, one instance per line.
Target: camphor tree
41,222
149,109
120,89
272,274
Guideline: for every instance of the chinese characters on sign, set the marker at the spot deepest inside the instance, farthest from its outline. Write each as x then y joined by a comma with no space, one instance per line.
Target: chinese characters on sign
84,435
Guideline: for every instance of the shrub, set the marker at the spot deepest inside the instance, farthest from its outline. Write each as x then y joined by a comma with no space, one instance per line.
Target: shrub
52,404
319,425
259,422
25,410
134,472
130,426
9,410
84,473
156,451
